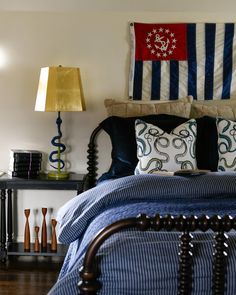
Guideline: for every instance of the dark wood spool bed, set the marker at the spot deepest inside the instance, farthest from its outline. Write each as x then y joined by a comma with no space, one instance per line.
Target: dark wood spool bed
185,225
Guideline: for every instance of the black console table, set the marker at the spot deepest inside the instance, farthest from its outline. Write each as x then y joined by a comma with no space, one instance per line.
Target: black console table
7,185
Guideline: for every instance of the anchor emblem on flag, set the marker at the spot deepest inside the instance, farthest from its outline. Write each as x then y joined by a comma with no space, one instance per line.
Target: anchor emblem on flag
161,42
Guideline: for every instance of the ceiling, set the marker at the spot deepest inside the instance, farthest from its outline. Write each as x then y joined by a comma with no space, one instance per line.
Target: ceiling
117,5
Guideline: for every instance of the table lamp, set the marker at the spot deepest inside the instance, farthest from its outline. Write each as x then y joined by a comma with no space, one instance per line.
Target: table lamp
60,90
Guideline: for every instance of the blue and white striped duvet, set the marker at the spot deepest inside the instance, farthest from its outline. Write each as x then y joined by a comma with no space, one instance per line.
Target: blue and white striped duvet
85,215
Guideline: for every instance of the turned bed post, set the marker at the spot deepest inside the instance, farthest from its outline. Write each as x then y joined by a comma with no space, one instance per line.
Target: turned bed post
89,285
90,178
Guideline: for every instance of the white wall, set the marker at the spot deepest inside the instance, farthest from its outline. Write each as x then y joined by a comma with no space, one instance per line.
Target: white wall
95,41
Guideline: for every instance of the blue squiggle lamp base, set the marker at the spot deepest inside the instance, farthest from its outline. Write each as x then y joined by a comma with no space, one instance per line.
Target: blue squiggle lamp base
55,156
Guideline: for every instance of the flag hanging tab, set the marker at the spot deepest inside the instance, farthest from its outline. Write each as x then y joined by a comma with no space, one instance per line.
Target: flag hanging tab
170,61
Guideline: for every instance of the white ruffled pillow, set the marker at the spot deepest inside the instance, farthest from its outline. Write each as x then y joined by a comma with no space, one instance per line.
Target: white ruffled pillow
161,151
226,144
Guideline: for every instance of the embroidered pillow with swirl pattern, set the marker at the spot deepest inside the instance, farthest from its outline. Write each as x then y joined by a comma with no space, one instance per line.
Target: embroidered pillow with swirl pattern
161,151
226,144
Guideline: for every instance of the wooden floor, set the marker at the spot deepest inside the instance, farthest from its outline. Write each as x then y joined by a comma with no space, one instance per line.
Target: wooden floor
28,275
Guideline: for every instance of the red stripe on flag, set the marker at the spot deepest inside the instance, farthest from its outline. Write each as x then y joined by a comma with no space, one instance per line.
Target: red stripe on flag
160,41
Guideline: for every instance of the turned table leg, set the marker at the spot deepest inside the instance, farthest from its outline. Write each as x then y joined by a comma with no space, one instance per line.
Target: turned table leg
3,226
9,217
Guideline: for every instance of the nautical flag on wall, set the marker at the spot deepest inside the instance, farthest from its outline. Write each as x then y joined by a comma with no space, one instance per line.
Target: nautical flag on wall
170,61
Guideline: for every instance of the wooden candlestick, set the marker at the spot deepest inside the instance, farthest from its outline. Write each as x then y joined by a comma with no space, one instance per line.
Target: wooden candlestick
27,231
36,241
54,237
44,231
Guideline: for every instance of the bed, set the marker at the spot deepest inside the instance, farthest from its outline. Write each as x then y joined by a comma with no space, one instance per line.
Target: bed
138,231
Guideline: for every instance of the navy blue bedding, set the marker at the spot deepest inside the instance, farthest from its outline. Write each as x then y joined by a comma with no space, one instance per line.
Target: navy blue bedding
85,215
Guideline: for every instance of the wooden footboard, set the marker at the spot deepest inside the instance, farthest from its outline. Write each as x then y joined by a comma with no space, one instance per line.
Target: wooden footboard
90,285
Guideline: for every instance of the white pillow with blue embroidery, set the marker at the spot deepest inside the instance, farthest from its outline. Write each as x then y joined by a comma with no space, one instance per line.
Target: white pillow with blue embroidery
226,144
159,151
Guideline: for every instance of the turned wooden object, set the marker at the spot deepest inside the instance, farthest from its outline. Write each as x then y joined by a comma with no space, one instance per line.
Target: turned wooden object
27,231
54,237
36,241
44,231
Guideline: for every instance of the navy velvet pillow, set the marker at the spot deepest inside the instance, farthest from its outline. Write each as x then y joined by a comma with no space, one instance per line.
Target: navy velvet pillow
124,148
206,144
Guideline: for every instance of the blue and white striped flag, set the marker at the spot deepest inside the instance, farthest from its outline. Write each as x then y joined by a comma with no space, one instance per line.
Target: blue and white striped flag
170,61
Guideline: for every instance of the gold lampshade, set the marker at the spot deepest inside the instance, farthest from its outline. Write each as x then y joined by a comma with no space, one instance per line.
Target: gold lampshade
60,90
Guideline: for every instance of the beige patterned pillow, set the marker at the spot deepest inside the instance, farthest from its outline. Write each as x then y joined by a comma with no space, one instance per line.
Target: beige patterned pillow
215,108
127,108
